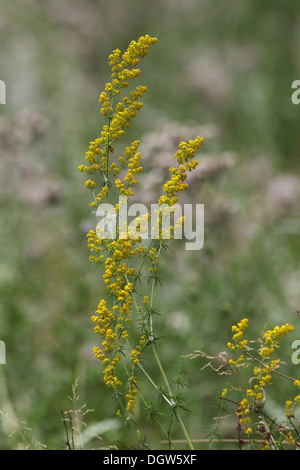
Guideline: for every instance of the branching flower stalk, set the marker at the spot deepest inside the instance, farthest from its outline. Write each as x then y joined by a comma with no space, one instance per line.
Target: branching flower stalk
129,263
254,423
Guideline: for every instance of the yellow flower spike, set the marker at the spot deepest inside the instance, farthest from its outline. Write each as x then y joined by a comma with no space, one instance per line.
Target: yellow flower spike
288,407
297,399
244,403
179,175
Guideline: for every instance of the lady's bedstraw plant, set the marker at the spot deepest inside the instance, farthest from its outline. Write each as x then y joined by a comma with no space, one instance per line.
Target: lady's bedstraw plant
127,261
255,425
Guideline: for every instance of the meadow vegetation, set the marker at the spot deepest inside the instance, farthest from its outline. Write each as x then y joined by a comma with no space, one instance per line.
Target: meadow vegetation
219,72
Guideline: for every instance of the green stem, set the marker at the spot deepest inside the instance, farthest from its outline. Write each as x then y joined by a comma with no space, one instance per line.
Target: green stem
169,400
144,401
172,402
185,431
152,295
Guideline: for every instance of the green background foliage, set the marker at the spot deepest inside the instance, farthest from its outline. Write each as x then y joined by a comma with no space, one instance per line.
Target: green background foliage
224,66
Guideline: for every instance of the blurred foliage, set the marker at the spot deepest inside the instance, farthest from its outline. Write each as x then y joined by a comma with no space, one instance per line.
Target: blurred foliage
226,66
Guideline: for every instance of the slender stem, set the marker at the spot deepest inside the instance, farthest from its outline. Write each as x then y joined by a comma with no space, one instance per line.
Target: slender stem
149,378
142,398
158,422
272,370
185,431
142,263
172,403
160,364
218,419
169,400
152,295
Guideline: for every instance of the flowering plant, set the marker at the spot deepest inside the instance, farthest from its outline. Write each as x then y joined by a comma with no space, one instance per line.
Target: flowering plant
130,266
255,425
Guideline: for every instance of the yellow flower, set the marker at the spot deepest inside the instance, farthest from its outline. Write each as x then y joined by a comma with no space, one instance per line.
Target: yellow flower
244,403
265,380
271,337
288,407
289,438
265,445
238,330
266,352
297,399
90,184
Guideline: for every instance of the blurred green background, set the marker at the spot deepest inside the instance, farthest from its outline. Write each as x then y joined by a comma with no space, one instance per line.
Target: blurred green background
222,69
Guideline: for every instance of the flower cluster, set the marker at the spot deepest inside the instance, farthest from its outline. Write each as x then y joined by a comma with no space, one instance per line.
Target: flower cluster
290,405
243,414
239,343
119,117
112,324
177,183
261,377
185,162
271,339
134,359
263,372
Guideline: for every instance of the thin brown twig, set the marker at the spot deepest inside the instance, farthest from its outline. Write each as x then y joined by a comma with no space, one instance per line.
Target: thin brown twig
69,444
264,365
